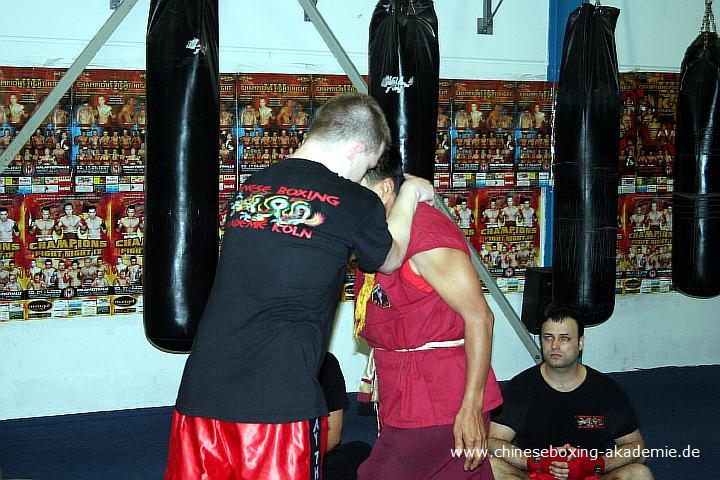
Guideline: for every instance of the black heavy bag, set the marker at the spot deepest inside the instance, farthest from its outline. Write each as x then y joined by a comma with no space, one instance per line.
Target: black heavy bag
404,77
696,229
587,124
181,199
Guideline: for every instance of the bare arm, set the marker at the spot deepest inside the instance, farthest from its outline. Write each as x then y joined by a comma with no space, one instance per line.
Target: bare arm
335,426
626,446
413,190
451,274
500,446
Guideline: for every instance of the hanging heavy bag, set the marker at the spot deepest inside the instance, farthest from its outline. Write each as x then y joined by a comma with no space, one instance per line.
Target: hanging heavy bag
696,198
181,197
404,78
587,123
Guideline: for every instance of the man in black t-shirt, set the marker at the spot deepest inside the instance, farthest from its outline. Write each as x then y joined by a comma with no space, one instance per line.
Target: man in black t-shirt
564,420
249,404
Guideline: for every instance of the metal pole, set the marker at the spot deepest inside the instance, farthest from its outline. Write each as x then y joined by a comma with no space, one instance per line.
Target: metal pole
333,44
66,81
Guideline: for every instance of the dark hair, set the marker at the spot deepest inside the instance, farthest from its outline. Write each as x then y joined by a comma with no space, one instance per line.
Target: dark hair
558,314
351,116
389,166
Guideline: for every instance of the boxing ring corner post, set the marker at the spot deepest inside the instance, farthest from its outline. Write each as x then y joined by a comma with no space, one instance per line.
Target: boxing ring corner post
77,67
359,83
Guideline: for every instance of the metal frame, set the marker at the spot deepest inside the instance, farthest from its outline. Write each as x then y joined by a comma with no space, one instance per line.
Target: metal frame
307,18
485,23
82,61
332,43
497,295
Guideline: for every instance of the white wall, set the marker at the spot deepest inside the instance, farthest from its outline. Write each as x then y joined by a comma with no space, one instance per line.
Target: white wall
652,35
89,364
271,36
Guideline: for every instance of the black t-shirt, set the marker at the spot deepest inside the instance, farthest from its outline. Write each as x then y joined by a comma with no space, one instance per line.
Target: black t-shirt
263,334
591,416
333,384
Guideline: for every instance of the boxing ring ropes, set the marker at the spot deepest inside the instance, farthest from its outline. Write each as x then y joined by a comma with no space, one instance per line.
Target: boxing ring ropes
117,17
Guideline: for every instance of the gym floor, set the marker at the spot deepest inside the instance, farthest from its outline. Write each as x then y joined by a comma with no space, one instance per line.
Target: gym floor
677,408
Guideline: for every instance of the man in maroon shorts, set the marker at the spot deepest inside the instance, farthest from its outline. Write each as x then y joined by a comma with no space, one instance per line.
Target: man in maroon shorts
250,406
431,331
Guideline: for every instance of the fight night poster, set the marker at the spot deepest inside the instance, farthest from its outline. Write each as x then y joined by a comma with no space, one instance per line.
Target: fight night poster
507,233
644,251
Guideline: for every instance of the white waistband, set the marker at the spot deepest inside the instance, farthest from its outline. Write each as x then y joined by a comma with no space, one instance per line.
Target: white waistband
430,346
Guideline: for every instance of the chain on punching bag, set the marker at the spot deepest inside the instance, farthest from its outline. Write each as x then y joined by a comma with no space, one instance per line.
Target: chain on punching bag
404,77
587,125
181,199
696,198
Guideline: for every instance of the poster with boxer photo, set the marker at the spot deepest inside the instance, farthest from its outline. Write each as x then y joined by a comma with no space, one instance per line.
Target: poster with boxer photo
442,141
67,254
12,241
647,124
507,234
109,124
274,117
228,144
483,122
644,261
22,91
458,203
533,129
47,276
128,213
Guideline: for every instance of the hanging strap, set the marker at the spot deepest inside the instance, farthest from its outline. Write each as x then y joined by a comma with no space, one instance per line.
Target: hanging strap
708,24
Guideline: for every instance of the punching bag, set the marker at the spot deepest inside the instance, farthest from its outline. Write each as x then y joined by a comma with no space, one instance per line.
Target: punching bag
404,60
587,128
696,198
181,195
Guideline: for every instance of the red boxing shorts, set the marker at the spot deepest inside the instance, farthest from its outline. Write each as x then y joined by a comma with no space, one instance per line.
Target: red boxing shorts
547,476
203,448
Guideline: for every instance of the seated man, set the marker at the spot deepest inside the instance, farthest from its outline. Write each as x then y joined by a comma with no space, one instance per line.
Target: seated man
431,331
582,414
341,460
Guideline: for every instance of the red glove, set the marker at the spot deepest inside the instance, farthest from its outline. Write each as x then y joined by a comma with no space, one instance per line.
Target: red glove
581,467
542,464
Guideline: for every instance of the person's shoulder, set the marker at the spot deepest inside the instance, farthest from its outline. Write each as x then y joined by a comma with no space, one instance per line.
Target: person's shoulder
602,380
433,229
532,373
427,218
527,379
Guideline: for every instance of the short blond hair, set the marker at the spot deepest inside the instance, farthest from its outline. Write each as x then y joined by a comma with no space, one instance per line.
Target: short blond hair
351,117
